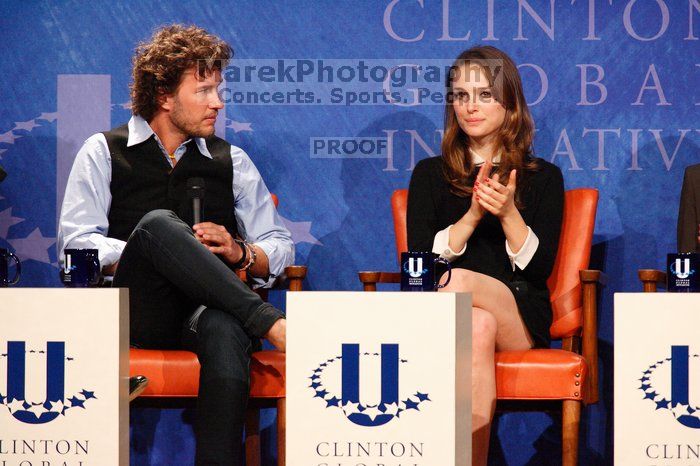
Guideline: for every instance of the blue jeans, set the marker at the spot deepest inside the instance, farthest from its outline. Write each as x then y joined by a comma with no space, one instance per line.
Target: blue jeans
169,274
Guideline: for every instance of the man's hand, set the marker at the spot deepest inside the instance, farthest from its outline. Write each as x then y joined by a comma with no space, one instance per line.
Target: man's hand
277,335
218,240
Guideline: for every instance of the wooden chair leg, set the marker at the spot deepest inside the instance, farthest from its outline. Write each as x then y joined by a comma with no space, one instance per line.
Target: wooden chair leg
252,437
571,417
281,431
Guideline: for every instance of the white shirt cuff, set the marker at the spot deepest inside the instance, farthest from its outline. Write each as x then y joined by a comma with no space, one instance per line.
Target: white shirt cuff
526,252
441,245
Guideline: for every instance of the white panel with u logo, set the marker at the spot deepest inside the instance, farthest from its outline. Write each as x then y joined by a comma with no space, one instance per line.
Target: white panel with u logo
378,378
64,377
657,378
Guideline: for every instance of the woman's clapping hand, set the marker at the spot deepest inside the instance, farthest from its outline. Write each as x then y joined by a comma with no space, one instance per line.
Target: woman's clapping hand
494,197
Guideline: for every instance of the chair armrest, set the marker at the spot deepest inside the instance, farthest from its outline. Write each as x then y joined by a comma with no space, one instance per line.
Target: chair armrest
589,336
370,279
651,278
295,276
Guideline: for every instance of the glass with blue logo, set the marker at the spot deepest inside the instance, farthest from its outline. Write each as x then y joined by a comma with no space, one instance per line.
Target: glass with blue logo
420,271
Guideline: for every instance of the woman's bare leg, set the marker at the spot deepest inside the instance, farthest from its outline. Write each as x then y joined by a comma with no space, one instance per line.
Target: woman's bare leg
496,326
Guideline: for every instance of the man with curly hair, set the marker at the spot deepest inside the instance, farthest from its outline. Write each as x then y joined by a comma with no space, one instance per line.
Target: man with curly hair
127,197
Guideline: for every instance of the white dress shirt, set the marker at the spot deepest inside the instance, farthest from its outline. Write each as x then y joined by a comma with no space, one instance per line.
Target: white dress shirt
84,214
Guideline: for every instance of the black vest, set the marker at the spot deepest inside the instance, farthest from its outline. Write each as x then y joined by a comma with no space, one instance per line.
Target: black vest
142,181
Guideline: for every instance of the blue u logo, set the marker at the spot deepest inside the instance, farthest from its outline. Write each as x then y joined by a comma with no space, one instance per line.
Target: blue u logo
393,403
351,381
678,402
680,384
16,377
682,269
415,266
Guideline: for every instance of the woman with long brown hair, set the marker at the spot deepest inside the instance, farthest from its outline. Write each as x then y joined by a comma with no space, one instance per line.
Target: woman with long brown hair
494,211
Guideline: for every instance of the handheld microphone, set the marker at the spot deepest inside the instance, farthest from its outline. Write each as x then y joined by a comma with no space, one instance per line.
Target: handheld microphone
195,191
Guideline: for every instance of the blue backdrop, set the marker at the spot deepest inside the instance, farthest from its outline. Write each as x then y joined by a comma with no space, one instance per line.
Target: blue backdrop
613,87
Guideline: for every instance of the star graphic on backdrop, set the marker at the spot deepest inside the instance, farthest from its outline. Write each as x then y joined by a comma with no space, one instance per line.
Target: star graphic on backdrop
663,404
650,395
422,396
34,246
680,409
372,412
87,395
125,105
321,394
15,405
301,232
47,116
76,402
57,406
8,137
334,401
239,126
391,408
7,220
25,125
410,404
38,410
350,408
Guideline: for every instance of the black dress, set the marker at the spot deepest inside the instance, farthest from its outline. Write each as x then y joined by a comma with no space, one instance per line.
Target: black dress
432,207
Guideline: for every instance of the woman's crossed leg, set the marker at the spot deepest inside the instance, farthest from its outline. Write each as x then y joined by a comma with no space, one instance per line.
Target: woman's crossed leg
496,326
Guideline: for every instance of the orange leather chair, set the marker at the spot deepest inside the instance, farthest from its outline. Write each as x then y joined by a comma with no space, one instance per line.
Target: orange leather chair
543,379
175,375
